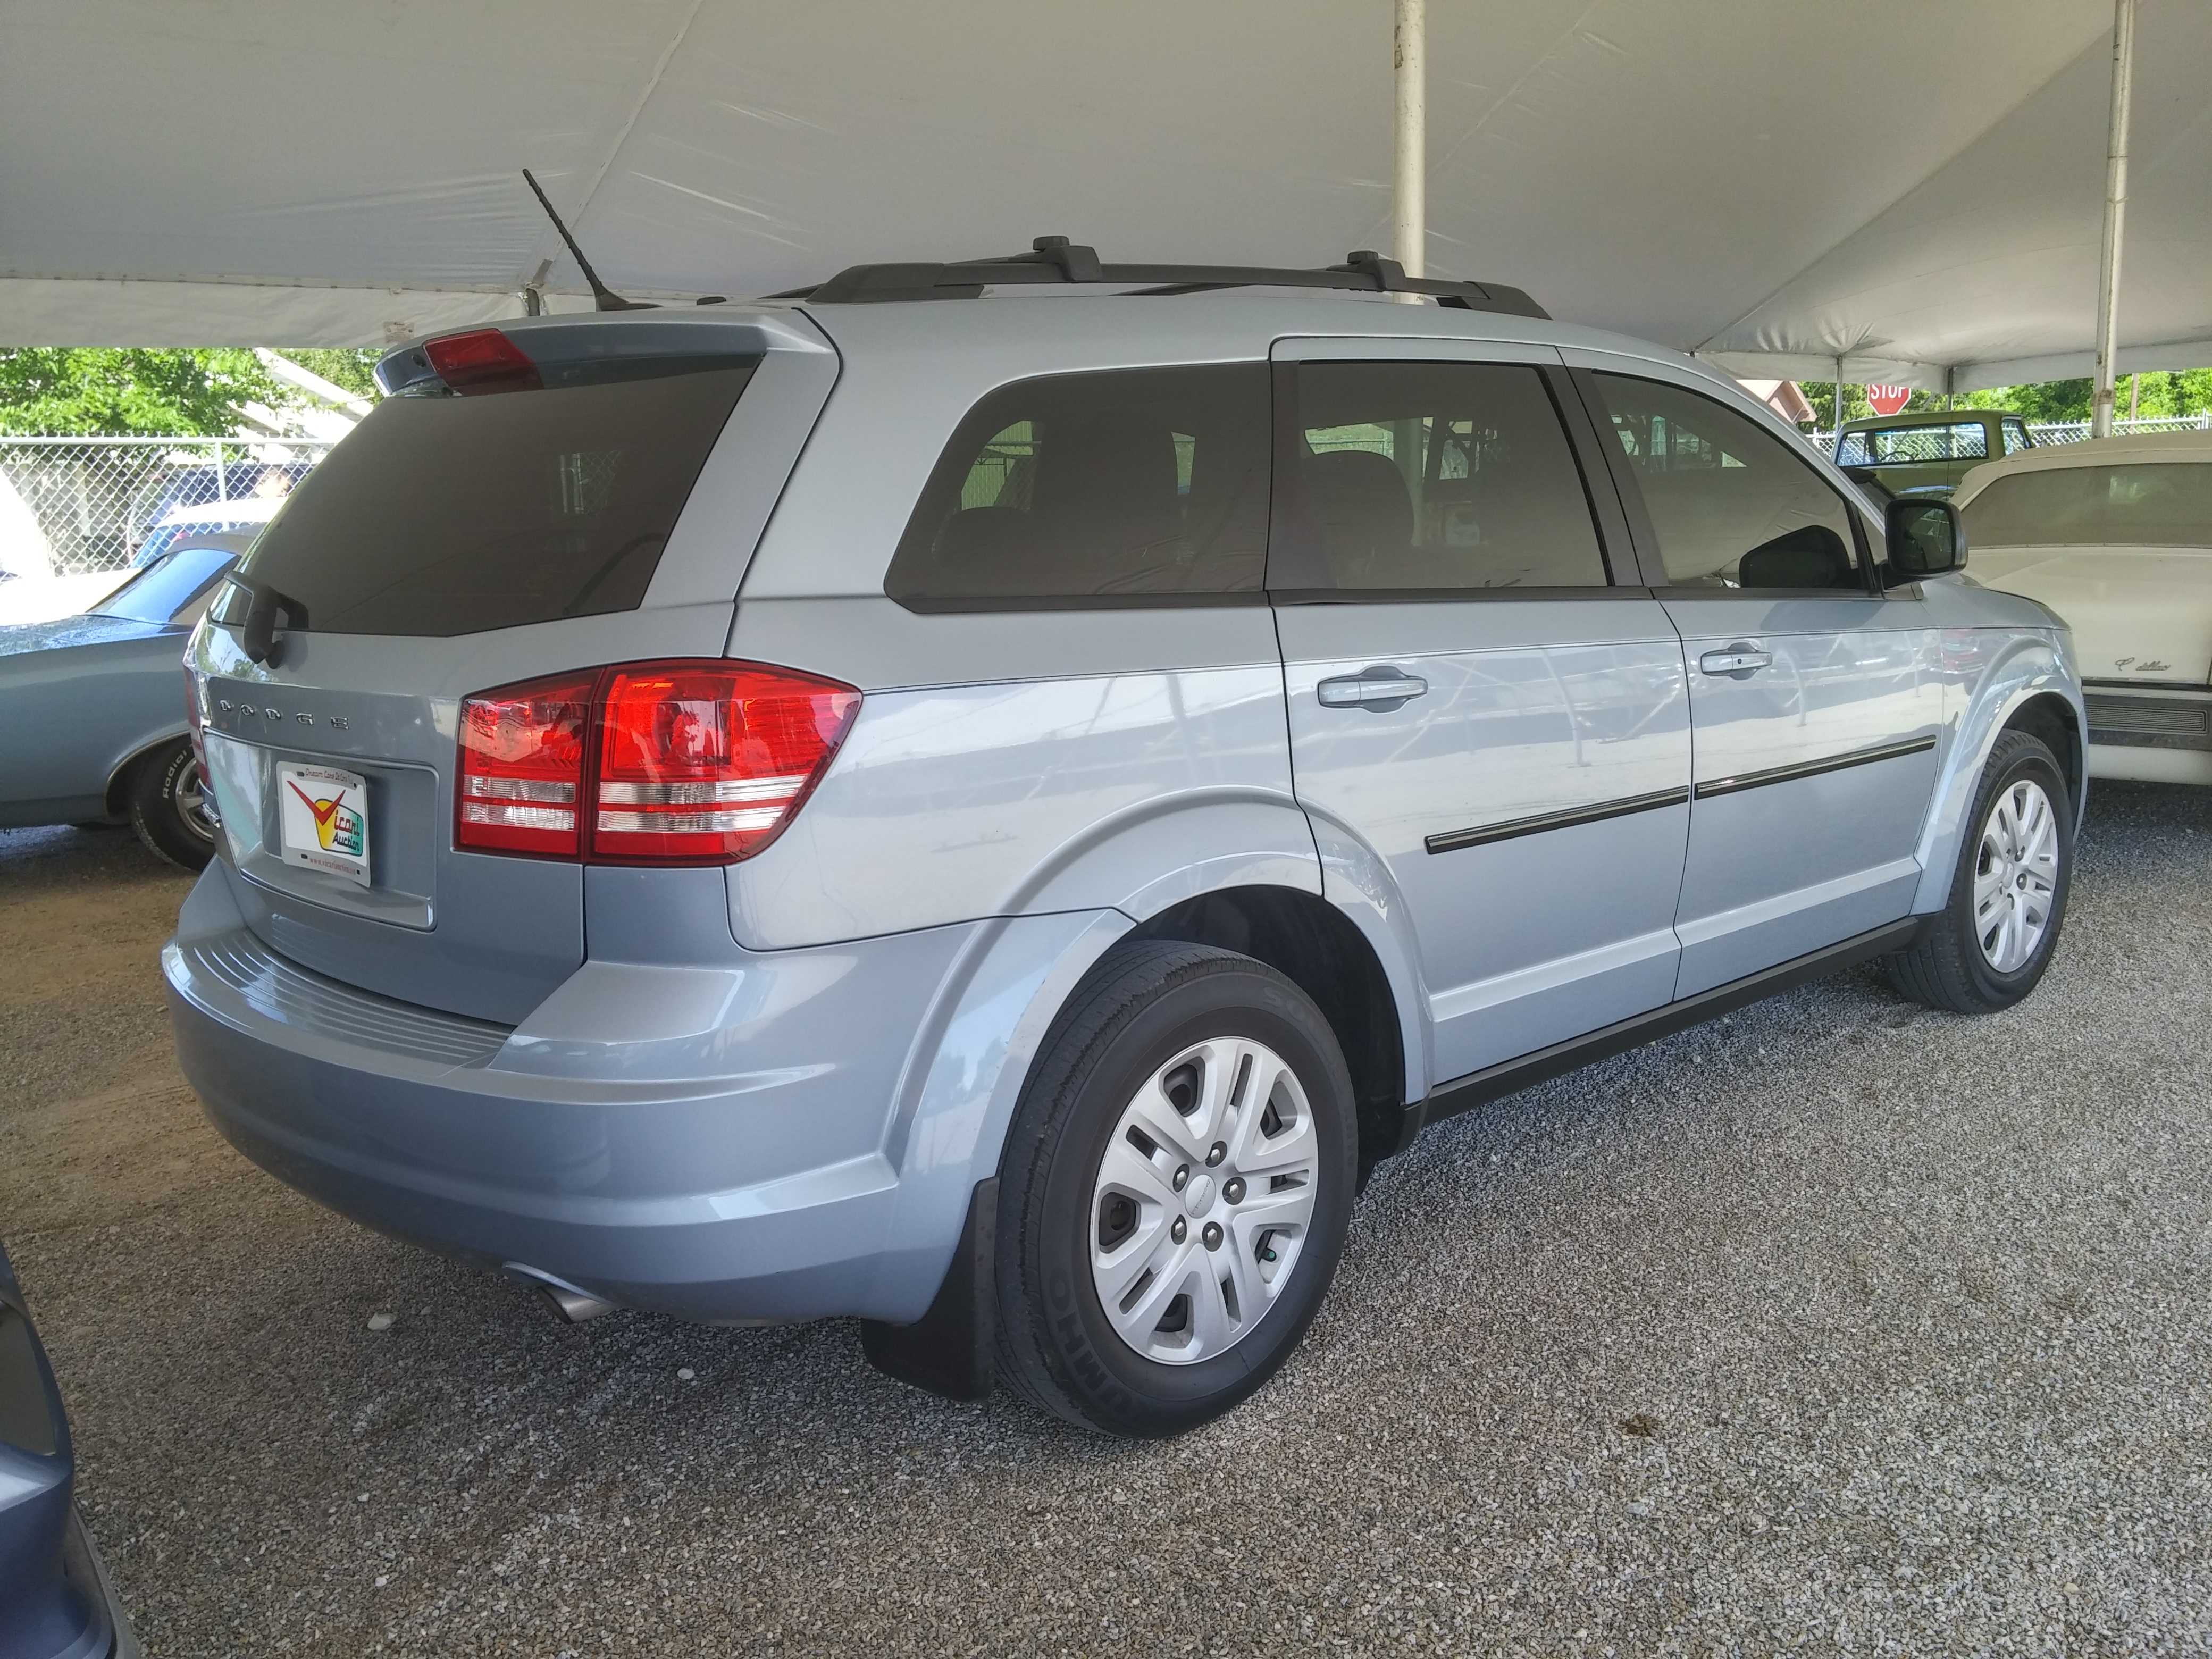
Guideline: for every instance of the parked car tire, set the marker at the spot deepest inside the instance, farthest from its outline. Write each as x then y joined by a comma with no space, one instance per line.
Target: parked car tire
1989,945
168,805
1175,1190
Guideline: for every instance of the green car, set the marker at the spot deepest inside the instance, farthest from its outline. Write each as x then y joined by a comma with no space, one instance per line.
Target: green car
1926,453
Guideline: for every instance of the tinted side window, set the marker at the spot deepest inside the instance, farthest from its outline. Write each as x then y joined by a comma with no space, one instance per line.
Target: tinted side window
2016,437
1732,507
1137,485
1438,476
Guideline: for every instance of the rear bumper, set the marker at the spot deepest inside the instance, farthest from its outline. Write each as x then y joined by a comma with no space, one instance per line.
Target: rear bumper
111,1635
703,1141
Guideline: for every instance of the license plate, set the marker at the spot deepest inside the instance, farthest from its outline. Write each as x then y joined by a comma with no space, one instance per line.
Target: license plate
325,820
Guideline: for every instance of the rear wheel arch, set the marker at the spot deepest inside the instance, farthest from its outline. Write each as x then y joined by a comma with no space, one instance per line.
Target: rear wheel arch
1316,947
116,798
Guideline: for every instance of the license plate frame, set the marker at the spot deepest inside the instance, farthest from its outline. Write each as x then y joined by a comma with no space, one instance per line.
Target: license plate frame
323,820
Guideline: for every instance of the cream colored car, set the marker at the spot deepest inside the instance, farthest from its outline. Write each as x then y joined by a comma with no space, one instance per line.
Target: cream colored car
2116,536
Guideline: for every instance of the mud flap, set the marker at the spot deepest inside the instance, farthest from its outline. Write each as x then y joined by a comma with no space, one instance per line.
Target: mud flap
951,1349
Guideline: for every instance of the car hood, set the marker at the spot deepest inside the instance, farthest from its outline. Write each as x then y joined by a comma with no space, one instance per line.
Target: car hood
2137,613
66,631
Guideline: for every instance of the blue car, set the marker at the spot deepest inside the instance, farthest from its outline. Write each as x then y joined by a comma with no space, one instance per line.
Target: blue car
55,1599
93,721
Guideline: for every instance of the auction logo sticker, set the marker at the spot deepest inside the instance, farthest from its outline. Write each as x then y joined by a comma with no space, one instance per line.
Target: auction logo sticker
324,818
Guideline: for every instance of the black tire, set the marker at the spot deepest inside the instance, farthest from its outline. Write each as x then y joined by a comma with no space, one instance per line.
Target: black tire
1141,1008
1947,967
165,798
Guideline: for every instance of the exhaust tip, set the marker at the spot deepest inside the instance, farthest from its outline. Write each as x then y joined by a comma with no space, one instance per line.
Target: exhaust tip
573,1306
570,1304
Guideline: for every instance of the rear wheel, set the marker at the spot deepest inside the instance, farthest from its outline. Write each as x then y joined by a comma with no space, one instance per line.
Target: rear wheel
169,807
1175,1192
1989,945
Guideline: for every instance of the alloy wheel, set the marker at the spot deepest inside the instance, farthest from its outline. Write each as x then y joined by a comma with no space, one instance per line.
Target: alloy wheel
2015,875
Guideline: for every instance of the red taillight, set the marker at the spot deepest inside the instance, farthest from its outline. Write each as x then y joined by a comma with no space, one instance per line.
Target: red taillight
520,785
688,762
708,763
485,360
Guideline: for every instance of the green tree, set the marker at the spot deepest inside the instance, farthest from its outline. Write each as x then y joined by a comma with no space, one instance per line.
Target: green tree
2048,400
2171,395
353,370
124,389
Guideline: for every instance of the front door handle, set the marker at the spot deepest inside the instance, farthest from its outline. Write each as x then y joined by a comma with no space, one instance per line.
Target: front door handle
1739,661
1381,689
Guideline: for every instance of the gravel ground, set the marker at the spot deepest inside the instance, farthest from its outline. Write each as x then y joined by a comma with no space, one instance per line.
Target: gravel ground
1839,1325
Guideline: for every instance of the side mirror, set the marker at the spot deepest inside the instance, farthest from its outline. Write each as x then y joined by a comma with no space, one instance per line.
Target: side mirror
1925,537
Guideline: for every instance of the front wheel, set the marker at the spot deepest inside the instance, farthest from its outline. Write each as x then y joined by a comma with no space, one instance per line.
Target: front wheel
169,807
1989,945
1175,1192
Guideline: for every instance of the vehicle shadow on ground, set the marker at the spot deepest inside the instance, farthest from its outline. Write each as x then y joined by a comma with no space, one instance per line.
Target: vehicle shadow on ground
1676,1345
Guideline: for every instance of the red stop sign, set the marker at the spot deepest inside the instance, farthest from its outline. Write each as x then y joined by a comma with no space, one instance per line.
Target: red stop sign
1888,400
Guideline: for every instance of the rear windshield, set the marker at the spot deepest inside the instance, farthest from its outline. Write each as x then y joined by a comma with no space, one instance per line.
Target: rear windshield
156,593
1909,446
2157,505
443,515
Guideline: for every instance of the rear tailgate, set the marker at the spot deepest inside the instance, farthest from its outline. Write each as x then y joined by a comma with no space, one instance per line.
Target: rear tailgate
601,508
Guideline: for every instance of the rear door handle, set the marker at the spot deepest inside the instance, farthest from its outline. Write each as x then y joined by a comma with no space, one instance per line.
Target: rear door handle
1381,688
1739,661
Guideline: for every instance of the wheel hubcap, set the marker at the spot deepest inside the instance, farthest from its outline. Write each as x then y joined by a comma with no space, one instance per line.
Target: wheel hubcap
1202,1202
191,797
2016,875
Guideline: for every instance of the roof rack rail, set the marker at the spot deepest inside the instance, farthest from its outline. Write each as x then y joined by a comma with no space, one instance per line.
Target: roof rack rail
1055,259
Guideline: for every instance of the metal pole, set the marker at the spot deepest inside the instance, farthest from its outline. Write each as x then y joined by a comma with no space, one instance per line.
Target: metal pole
1409,184
2115,211
1837,447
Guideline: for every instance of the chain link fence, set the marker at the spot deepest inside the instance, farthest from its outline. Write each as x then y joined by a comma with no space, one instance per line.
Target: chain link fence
2070,432
73,507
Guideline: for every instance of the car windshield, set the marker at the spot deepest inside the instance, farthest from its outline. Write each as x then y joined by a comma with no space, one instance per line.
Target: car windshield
2157,504
159,592
1907,446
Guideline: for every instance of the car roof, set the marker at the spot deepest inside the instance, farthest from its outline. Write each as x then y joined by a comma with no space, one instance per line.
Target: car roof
1120,328
1929,417
238,509
221,541
2135,449
1057,326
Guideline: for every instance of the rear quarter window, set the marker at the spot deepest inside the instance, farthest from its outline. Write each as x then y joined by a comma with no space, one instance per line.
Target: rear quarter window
1140,486
441,515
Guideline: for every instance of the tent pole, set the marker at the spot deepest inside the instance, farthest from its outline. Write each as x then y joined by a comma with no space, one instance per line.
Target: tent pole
1835,448
1409,186
2116,210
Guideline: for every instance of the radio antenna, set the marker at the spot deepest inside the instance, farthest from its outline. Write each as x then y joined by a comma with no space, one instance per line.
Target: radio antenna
603,297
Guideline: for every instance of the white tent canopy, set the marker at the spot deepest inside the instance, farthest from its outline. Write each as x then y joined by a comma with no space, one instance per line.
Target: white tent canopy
1916,187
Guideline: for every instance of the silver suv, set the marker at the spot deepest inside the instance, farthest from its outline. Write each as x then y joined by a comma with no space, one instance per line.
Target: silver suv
991,815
